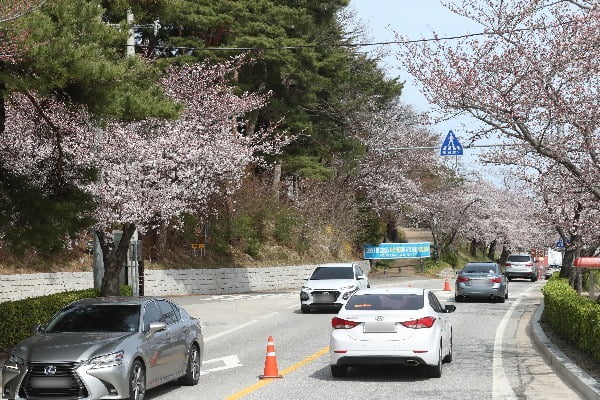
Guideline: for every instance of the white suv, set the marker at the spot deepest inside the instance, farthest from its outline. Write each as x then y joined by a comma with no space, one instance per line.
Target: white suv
520,265
330,285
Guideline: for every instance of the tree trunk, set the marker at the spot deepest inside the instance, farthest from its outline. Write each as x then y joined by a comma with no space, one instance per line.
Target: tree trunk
276,180
492,250
162,237
473,249
391,232
114,259
435,256
2,108
567,270
504,255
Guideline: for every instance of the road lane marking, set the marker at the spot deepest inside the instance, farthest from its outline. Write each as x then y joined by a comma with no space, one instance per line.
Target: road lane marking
227,361
501,388
237,328
218,335
259,384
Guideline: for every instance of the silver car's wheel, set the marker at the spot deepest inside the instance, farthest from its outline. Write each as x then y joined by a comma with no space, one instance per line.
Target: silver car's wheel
192,374
137,381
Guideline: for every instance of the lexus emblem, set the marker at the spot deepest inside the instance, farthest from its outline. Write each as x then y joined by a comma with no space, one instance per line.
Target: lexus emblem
50,370
379,318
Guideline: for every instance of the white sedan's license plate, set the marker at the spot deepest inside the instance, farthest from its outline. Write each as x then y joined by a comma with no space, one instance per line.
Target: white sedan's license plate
379,327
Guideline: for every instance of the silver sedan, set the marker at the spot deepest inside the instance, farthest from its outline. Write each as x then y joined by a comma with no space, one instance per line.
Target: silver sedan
481,280
113,347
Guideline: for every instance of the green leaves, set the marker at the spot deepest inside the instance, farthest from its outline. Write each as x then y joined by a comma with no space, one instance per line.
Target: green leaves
70,50
575,318
40,218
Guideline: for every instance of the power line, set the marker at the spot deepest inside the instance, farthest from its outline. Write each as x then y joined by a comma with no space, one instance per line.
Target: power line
352,45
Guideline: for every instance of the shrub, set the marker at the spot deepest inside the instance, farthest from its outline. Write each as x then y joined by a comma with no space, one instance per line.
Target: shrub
573,317
17,318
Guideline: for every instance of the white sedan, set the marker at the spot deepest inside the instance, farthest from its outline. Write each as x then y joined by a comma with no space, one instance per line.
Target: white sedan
406,326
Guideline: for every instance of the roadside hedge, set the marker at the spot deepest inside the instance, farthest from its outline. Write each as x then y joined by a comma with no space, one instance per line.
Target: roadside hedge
575,318
17,318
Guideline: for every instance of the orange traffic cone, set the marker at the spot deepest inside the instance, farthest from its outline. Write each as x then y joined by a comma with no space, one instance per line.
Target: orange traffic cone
447,285
270,362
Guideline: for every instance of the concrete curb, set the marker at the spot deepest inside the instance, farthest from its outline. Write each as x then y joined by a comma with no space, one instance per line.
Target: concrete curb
575,376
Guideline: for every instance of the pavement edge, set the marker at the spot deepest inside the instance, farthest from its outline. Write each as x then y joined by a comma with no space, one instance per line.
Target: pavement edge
568,370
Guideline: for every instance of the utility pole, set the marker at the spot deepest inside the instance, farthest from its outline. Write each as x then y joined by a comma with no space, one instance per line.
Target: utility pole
131,38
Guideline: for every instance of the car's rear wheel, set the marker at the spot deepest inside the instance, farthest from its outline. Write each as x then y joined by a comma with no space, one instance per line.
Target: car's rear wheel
506,295
304,309
448,357
435,371
533,278
501,299
192,374
338,371
458,299
137,381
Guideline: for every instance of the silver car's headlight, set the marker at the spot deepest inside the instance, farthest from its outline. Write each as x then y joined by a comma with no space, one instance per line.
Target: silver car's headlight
14,361
107,360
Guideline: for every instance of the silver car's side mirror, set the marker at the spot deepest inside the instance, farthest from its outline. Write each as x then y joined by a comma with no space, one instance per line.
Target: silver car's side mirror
156,327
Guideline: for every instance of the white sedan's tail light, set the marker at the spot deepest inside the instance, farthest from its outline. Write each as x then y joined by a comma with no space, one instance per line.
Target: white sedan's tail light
426,322
339,323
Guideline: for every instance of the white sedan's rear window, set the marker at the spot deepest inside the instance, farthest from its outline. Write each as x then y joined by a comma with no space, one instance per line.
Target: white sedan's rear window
394,301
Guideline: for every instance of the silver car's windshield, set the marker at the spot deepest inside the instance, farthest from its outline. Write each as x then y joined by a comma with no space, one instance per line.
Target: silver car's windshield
519,258
96,318
385,302
333,273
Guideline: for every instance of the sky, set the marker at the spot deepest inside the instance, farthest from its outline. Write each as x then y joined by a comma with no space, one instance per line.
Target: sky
417,19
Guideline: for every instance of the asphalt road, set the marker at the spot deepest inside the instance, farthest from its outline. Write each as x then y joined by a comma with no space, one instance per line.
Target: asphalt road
494,355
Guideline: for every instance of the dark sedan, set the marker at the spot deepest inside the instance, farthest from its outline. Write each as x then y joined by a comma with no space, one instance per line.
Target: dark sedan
100,348
481,280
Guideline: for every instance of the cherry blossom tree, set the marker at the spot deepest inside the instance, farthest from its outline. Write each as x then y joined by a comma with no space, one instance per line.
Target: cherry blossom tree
147,173
531,78
399,164
11,38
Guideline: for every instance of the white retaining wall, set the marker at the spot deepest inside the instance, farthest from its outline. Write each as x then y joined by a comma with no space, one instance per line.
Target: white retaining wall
166,282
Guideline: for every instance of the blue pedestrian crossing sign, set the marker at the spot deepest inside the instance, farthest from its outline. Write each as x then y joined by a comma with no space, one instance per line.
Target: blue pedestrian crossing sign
451,146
